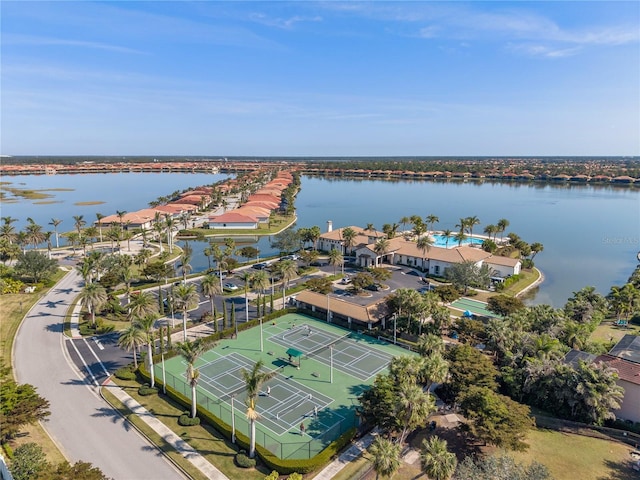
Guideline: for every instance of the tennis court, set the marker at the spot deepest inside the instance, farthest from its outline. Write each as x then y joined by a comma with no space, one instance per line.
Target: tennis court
319,391
474,306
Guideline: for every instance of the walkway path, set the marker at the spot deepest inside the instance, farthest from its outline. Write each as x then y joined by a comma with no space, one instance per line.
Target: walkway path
186,450
349,455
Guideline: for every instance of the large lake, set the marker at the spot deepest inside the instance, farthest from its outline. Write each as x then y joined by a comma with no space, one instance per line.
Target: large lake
591,234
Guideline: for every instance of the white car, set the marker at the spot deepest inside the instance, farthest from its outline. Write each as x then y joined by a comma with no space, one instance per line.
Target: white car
230,286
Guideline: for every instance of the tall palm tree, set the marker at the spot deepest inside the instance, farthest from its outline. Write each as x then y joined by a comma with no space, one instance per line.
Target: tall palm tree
385,456
147,325
190,352
79,222
490,230
460,237
429,343
185,297
348,239
187,253
141,304
260,283
413,408
431,221
424,244
47,238
34,233
55,222
99,217
254,380
157,226
472,222
370,227
210,287
169,222
92,297
503,223
437,462
132,338
8,231
121,214
288,270
335,259
446,233
404,220
462,225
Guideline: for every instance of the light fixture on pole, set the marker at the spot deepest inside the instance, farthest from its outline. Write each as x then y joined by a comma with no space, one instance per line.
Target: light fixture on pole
261,337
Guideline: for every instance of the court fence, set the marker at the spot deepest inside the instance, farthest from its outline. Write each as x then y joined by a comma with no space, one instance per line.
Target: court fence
219,408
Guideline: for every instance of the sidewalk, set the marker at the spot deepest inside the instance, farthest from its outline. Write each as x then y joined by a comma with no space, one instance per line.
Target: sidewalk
167,435
349,455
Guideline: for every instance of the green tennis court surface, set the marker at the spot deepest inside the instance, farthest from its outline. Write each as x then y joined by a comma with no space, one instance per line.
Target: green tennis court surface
474,306
318,389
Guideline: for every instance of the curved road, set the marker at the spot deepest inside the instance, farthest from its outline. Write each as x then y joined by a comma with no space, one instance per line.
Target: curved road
83,425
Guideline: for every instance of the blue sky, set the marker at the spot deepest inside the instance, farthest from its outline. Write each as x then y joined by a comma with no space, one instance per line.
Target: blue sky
320,78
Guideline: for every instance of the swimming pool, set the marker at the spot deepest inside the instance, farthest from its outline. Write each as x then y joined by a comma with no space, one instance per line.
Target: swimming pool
441,241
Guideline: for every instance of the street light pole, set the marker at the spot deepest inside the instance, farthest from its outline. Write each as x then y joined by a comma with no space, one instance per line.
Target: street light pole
331,364
261,337
164,377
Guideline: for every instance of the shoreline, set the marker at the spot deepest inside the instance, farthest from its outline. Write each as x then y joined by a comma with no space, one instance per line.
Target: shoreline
538,281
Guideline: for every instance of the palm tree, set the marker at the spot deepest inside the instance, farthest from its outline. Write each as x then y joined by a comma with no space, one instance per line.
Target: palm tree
446,233
210,287
424,244
146,325
288,269
55,222
187,253
503,223
335,259
432,220
437,462
254,380
47,238
8,231
348,239
413,408
472,222
191,351
381,248
99,217
121,214
92,297
169,222
491,230
536,248
141,304
34,233
429,343
386,456
314,236
460,237
157,226
370,227
79,222
419,228
260,283
404,220
185,298
131,338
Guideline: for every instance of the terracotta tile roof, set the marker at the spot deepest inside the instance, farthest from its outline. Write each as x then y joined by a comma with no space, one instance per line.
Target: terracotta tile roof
264,197
498,260
451,255
264,204
233,217
368,314
361,238
627,371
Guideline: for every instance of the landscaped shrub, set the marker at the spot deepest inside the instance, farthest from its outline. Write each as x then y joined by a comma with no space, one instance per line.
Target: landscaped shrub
125,373
294,476
272,476
146,389
186,421
243,461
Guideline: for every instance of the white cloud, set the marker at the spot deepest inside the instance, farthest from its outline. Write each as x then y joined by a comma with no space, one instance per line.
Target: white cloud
33,40
283,23
537,50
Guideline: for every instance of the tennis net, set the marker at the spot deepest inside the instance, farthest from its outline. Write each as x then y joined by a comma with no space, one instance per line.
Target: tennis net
227,396
324,348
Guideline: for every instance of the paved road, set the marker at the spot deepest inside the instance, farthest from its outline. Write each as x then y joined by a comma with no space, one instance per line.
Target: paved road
82,424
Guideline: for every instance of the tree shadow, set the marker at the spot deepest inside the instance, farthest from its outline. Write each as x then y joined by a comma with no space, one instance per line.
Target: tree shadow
620,470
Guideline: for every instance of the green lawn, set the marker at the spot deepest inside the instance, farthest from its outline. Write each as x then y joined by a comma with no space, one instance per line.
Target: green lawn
571,457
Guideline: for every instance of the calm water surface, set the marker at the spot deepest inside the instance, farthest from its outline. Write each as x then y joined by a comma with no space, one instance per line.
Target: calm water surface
591,235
